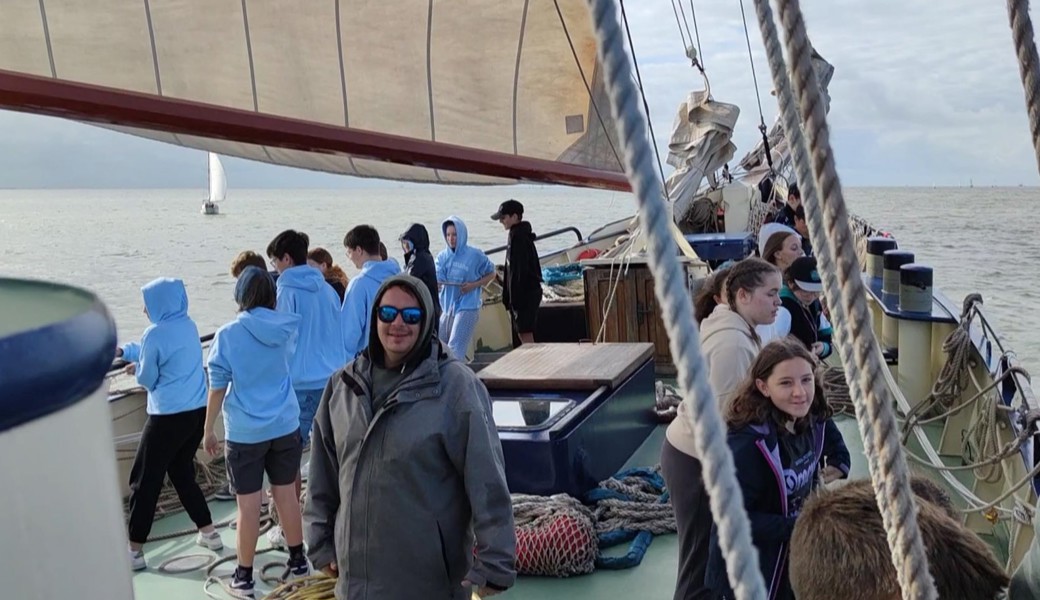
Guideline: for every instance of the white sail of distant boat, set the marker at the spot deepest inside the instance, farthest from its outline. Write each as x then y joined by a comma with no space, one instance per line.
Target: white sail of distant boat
217,179
217,185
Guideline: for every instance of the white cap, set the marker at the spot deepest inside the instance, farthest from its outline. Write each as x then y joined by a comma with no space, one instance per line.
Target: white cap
769,230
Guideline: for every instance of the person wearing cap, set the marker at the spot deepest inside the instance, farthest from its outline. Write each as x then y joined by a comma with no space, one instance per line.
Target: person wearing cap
801,297
522,292
407,494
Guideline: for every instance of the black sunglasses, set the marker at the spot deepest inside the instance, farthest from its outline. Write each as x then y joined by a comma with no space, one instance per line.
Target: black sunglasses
411,316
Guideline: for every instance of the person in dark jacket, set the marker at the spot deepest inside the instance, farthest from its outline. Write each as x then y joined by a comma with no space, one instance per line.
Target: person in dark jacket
522,292
801,298
407,494
418,261
783,442
785,216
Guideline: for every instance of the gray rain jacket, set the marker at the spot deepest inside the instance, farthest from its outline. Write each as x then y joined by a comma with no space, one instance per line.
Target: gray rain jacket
396,498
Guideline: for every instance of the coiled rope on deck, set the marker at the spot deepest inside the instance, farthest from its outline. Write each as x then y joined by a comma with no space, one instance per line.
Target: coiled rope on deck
709,430
846,296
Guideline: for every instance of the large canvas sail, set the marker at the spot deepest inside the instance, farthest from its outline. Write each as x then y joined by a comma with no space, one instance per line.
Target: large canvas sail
501,78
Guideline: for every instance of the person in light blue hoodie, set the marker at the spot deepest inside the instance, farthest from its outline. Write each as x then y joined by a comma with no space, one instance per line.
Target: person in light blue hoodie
462,271
252,355
362,244
168,363
319,349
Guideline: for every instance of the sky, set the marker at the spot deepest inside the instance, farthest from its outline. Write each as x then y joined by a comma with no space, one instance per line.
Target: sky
924,93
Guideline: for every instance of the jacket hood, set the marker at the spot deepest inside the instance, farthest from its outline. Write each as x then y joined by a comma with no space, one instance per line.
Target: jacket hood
522,228
426,332
379,270
460,231
418,236
304,277
269,327
166,299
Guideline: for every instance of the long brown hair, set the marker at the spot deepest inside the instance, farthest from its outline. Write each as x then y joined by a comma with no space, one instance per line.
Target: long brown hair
751,407
704,302
774,244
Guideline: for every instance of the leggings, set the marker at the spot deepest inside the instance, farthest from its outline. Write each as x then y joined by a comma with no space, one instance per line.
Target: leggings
457,329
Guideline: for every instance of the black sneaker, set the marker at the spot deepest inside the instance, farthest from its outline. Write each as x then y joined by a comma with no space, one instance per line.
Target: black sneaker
242,587
298,568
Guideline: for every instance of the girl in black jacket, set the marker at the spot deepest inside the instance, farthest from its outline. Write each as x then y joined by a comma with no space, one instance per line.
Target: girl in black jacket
783,443
418,261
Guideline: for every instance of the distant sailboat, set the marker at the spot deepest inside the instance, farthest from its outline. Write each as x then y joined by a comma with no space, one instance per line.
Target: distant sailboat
217,186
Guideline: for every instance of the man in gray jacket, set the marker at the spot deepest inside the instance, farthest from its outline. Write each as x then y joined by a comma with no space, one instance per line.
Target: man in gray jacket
406,467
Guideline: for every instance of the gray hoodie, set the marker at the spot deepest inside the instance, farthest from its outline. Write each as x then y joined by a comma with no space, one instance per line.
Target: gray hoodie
395,497
730,345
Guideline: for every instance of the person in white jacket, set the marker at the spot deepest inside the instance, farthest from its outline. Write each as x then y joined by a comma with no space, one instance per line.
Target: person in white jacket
730,344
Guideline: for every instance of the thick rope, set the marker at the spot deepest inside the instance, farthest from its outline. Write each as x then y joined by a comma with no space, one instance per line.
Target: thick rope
709,430
846,295
1028,64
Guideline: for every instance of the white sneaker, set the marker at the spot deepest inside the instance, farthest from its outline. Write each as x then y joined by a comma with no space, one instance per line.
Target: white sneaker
210,540
277,538
137,560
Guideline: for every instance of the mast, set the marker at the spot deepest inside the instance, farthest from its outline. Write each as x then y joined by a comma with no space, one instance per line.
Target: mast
110,106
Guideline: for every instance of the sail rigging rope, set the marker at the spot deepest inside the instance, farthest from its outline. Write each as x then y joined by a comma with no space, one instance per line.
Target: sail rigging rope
1028,64
642,93
847,297
720,480
758,95
588,88
697,32
678,24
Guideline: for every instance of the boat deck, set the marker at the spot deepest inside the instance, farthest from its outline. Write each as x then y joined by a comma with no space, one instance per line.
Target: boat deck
654,578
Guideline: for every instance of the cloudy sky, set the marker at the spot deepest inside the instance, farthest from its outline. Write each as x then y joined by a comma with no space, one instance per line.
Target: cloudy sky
924,93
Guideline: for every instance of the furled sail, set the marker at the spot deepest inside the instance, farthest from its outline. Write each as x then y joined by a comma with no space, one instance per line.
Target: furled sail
415,90
699,146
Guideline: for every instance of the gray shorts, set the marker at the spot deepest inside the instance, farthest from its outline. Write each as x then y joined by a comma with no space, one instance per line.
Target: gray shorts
246,463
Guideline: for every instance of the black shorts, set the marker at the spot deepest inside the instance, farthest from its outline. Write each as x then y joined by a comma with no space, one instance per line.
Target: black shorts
525,319
246,463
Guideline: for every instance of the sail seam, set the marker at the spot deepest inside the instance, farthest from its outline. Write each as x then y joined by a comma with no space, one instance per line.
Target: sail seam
252,70
343,77
47,38
516,71
155,53
429,77
249,54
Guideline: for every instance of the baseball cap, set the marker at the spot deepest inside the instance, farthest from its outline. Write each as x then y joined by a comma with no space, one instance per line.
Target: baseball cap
509,207
769,230
804,274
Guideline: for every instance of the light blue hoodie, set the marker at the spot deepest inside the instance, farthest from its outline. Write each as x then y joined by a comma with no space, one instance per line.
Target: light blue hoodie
357,303
319,349
461,265
169,356
252,353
